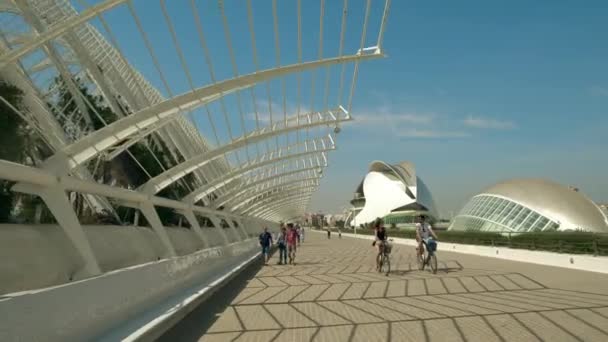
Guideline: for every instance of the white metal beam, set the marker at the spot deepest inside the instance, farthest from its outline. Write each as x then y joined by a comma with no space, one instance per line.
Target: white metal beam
275,205
276,212
97,142
276,197
218,183
168,177
304,198
307,182
30,175
57,31
239,192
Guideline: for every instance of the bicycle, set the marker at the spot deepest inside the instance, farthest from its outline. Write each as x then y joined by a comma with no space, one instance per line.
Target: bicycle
428,257
385,261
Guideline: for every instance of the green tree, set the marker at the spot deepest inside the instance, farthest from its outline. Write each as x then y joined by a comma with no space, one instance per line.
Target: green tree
19,144
12,142
147,155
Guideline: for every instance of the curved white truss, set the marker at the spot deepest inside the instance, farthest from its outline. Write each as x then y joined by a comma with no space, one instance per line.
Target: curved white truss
299,184
292,210
101,140
276,197
161,181
238,193
92,100
220,182
293,201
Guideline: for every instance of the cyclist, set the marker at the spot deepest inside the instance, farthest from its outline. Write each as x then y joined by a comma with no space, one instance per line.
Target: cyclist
265,243
380,237
423,232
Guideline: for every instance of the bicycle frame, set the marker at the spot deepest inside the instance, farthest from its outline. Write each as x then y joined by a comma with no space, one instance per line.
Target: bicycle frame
427,255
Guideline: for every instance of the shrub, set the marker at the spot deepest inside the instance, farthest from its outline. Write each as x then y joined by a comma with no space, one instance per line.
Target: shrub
575,242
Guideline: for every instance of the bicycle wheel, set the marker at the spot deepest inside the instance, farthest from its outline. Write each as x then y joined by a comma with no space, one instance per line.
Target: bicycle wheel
433,263
420,261
386,265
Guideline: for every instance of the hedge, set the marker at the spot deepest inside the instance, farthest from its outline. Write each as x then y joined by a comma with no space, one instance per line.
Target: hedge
560,242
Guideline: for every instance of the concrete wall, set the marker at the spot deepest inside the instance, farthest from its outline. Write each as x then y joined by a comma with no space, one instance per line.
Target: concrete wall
113,305
36,256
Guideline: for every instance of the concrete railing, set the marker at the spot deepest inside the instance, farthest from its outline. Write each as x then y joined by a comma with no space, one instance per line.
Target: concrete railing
115,305
37,256
582,262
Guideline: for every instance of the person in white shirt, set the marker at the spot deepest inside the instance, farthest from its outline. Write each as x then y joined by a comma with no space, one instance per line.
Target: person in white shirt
423,232
301,233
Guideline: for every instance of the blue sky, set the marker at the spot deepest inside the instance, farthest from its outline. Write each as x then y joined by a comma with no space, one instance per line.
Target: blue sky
472,91
478,91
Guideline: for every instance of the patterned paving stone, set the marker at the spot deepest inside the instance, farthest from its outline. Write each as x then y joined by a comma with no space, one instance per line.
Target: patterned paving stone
334,294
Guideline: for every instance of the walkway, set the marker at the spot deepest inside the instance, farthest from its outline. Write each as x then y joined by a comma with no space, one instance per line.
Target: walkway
333,294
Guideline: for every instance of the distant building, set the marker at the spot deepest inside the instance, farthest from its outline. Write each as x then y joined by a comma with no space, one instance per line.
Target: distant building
393,192
530,205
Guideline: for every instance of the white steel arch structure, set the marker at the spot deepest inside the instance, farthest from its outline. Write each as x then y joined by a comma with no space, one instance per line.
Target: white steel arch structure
211,115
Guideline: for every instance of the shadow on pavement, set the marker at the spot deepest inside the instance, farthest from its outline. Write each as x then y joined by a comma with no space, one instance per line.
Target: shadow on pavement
197,322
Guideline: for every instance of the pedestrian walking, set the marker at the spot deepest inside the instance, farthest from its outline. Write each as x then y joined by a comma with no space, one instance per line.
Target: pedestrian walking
282,244
292,240
265,243
298,234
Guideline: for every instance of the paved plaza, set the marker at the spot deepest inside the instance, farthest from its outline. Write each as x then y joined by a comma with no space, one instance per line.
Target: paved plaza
333,294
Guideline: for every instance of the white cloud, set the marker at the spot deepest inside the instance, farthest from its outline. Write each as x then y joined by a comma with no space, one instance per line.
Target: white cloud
431,134
384,118
407,124
599,91
263,113
486,123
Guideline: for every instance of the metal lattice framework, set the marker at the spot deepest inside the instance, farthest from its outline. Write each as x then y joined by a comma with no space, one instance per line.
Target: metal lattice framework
234,107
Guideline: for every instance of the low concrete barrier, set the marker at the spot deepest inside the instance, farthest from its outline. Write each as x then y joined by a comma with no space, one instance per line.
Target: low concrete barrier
114,305
582,262
37,256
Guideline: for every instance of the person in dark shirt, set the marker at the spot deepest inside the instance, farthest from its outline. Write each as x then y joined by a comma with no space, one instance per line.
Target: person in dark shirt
266,242
380,239
282,244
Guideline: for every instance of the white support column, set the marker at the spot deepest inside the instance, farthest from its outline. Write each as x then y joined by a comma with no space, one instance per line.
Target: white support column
189,215
234,230
136,218
240,228
216,223
151,215
59,204
241,224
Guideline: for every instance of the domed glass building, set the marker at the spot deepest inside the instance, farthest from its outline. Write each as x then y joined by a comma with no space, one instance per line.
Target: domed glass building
530,205
393,192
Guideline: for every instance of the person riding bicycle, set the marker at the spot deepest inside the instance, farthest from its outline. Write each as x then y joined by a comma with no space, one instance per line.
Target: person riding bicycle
380,238
424,231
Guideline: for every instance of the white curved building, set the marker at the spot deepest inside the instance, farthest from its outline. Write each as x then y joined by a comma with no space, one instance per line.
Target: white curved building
528,205
392,192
